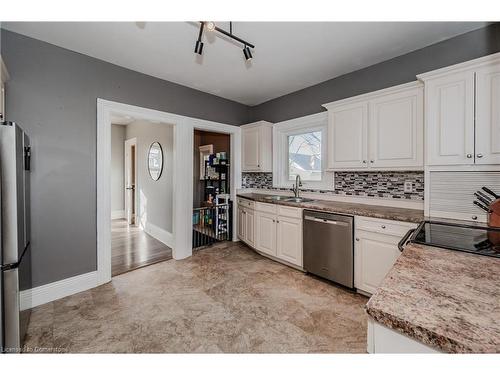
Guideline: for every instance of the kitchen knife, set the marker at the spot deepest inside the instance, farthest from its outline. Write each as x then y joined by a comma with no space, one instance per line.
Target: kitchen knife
482,200
490,192
481,206
479,193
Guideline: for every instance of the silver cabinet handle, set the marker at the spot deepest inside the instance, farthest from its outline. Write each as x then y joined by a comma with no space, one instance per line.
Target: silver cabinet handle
364,161
371,161
383,226
357,239
474,217
274,221
469,156
479,156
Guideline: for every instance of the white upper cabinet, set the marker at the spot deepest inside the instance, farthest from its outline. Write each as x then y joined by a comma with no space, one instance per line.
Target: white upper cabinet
256,142
462,113
488,115
450,119
396,130
347,136
379,130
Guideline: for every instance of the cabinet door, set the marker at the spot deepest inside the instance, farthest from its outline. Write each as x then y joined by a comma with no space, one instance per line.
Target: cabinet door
249,227
450,119
289,240
250,156
396,130
347,136
488,115
375,255
241,223
265,232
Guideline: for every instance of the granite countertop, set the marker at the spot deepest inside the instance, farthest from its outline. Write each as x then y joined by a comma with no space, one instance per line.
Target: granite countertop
380,212
446,299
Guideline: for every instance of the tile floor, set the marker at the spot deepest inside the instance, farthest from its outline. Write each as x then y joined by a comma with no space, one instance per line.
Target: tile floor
226,298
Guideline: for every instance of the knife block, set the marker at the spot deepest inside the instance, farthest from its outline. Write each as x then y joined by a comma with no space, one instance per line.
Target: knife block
494,214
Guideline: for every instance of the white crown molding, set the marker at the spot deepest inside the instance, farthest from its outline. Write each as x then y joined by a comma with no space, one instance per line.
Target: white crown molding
257,123
374,94
467,65
59,289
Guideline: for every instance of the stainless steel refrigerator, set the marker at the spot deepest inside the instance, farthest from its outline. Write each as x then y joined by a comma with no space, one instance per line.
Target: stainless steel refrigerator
15,252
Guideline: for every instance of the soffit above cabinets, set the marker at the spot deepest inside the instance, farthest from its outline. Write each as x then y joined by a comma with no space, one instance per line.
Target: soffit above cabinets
289,56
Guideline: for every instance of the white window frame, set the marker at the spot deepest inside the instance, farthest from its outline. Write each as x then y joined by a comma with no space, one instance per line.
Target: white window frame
301,125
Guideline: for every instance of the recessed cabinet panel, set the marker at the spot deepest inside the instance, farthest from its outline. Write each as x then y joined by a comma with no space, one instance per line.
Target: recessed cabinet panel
241,224
347,131
375,255
488,115
251,149
266,233
396,130
249,227
289,246
450,119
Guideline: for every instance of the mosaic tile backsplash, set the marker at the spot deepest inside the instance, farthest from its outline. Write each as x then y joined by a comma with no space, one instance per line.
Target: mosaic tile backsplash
363,184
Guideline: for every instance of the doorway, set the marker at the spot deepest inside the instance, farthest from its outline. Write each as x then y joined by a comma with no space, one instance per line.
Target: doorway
141,235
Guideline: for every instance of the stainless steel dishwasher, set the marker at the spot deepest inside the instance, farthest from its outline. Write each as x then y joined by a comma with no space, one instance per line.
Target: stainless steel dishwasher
328,246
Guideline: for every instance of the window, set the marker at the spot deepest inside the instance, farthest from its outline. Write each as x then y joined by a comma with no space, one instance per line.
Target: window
299,148
304,156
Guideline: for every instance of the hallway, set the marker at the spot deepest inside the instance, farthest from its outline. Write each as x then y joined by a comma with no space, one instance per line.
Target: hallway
132,248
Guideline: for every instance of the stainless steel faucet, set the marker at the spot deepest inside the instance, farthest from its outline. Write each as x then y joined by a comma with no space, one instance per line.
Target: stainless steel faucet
296,187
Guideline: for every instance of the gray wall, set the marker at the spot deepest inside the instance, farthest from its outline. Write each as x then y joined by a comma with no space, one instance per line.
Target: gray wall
117,166
392,72
154,197
52,93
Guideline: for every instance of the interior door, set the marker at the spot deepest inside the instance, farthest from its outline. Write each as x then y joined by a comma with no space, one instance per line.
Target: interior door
131,180
488,115
347,136
450,119
396,130
251,150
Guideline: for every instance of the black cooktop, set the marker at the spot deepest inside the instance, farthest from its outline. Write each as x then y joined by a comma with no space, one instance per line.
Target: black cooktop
467,238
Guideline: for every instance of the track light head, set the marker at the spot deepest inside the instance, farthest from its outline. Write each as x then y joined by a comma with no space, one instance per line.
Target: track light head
198,47
247,53
210,25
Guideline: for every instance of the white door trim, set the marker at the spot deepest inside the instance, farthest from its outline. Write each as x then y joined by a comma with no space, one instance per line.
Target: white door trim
182,175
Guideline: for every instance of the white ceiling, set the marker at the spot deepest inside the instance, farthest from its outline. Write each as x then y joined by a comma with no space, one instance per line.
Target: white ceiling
288,56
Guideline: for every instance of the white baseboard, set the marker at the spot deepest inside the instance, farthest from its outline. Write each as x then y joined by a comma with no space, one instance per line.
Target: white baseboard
160,234
118,214
58,289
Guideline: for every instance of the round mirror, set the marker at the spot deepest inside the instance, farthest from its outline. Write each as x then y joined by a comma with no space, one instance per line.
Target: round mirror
155,161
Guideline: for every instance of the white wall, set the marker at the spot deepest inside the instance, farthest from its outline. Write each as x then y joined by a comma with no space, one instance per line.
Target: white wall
155,206
117,176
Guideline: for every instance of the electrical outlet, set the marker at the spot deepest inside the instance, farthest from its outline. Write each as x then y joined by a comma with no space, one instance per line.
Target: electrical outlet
408,187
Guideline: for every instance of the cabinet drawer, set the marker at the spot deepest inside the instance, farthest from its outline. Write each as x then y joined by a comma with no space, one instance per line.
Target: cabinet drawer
246,203
290,211
394,228
266,207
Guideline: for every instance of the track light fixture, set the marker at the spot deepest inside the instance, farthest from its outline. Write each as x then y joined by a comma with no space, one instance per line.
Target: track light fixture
247,53
198,48
211,26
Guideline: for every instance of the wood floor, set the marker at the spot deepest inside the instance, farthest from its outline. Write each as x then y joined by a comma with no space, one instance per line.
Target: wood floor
132,248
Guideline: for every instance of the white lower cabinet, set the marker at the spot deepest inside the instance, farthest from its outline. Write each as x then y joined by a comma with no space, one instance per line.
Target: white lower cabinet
289,244
246,225
266,232
272,230
376,250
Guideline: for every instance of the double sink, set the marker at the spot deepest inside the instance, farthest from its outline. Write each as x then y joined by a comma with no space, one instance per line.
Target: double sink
284,198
